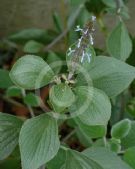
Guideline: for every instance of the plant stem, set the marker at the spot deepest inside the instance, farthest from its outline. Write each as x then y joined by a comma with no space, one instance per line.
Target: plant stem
32,115
69,135
118,5
29,107
9,100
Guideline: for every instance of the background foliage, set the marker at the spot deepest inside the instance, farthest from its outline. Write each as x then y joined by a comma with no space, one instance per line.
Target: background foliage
32,133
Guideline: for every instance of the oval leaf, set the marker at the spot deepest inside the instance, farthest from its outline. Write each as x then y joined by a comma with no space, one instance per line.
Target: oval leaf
121,129
39,141
92,106
91,131
32,47
129,157
106,158
9,133
31,72
58,160
129,140
32,100
119,43
5,81
14,91
61,96
36,34
110,75
76,160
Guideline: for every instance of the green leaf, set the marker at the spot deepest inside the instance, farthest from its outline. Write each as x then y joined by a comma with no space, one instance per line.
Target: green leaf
85,140
119,43
76,2
112,3
92,106
114,145
57,22
32,47
109,3
110,75
61,97
91,131
129,157
124,12
105,158
26,35
55,62
99,143
76,160
131,59
32,100
39,141
95,6
82,20
13,91
121,129
10,163
9,133
5,81
129,140
31,72
58,160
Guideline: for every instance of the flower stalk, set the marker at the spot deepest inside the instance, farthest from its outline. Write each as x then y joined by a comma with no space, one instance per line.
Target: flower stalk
79,53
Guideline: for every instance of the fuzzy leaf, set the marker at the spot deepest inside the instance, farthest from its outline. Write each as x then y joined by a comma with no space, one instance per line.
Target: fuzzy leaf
61,97
105,158
38,141
92,106
39,35
31,72
9,133
119,43
13,91
58,160
32,47
91,131
121,129
32,100
76,160
5,81
129,157
129,140
110,75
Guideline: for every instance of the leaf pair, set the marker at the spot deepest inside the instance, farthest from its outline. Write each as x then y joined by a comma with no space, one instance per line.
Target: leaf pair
9,133
119,43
